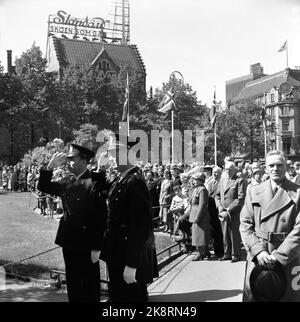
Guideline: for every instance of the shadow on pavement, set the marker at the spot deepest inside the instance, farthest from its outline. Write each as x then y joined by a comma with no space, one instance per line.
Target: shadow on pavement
201,296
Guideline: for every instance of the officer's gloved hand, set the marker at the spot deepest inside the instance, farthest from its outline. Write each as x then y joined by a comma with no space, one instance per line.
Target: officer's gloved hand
129,275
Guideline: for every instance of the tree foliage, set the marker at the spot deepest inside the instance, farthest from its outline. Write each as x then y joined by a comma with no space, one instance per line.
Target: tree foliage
37,106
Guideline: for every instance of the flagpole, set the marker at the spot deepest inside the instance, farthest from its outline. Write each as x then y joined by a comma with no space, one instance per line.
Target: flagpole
172,129
215,143
287,55
265,131
264,124
128,129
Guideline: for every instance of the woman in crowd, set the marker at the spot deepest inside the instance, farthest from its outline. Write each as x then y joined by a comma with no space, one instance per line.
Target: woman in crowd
165,201
199,216
185,185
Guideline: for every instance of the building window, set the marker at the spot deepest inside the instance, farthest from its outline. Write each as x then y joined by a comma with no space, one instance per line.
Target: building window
272,98
270,111
285,125
286,110
107,66
286,147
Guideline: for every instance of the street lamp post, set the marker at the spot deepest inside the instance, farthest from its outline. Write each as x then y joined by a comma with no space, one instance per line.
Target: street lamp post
171,79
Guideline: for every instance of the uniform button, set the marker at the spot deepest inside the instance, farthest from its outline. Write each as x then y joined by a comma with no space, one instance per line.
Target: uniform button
283,219
78,198
116,198
119,190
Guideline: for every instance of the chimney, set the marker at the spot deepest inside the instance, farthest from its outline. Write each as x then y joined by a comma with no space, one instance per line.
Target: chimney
9,62
257,70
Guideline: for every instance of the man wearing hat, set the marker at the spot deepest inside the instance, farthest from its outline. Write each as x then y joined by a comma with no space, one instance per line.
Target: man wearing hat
270,231
199,216
256,175
216,230
81,228
129,249
175,171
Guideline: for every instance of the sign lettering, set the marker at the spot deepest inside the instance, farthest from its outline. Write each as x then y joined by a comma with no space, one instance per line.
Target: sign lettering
64,23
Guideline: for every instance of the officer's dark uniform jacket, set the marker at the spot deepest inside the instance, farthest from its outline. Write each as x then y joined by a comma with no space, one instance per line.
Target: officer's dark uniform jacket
83,223
129,239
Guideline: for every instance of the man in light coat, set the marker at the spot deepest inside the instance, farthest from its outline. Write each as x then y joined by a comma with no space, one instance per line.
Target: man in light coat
270,226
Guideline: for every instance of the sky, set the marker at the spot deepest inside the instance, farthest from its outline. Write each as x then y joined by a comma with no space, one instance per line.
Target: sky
208,41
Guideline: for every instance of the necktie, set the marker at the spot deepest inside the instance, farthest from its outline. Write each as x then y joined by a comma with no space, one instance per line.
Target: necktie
275,190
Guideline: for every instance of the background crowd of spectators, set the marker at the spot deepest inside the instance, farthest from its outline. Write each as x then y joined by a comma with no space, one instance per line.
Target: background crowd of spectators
170,187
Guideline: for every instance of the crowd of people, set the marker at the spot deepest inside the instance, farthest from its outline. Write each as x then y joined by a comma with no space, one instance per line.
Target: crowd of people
210,209
171,188
18,178
200,205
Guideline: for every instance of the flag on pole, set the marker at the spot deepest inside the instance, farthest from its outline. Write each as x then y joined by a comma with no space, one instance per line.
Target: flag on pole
126,102
263,111
212,114
283,47
167,103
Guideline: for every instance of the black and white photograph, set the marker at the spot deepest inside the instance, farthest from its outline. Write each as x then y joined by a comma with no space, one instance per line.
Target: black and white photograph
149,154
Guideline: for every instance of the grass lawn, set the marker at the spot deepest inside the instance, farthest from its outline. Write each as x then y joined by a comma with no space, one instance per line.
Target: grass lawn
23,233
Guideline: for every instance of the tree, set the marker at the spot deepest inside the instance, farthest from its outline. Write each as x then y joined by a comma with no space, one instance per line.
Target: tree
240,131
27,117
86,136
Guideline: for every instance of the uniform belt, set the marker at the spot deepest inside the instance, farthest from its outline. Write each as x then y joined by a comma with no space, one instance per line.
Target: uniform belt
270,236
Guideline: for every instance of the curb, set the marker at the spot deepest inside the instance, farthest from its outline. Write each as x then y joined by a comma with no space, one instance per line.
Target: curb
29,279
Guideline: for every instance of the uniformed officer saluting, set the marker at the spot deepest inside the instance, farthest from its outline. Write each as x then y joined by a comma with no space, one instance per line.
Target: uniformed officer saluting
129,249
82,226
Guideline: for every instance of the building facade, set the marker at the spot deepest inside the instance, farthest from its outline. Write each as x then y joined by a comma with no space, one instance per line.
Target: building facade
279,93
109,57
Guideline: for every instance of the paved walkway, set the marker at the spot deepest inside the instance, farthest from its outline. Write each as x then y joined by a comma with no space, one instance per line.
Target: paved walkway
181,281
202,281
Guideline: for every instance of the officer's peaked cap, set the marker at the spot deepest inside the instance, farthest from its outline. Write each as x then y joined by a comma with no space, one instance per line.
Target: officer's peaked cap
78,150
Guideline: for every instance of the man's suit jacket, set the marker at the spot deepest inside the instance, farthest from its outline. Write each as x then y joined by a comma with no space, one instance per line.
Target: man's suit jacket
264,214
212,188
231,195
129,240
83,223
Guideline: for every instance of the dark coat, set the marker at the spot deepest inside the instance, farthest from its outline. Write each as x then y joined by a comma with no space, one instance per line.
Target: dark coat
129,240
152,188
83,223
